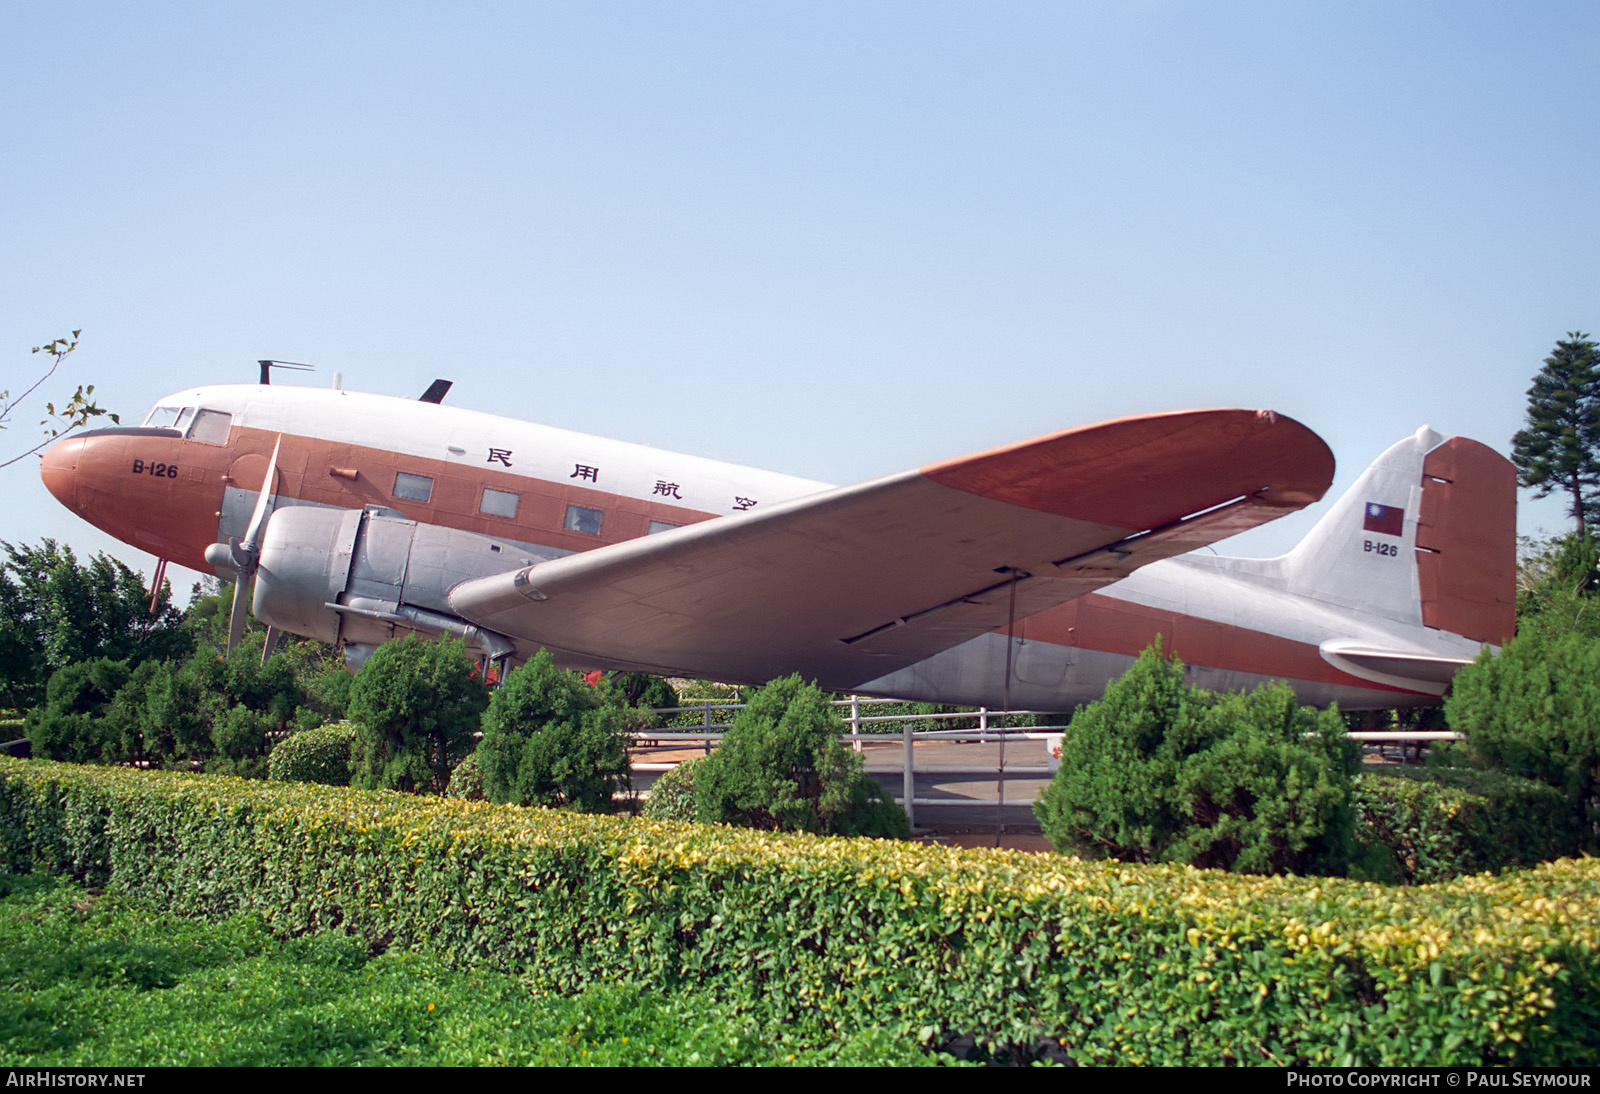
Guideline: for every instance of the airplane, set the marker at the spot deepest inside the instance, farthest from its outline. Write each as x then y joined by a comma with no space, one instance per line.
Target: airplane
1025,577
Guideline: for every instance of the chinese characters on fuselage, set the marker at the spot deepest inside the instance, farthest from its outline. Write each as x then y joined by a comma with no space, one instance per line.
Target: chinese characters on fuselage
585,472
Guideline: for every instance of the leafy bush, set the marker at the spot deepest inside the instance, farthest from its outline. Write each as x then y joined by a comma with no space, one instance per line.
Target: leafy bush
1439,823
320,755
1534,710
208,710
240,737
239,703
466,781
641,694
71,724
1158,771
416,704
672,795
782,766
329,693
55,612
551,739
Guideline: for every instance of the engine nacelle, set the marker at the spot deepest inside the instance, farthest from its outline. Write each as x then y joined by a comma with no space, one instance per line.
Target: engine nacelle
371,575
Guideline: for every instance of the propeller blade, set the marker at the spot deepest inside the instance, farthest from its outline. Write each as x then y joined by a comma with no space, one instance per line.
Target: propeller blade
248,553
258,519
238,612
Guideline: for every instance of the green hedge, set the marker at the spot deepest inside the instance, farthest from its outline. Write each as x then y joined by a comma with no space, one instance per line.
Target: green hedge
1119,964
1440,823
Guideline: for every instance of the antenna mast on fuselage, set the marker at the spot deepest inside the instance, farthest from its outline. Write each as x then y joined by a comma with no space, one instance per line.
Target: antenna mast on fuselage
268,365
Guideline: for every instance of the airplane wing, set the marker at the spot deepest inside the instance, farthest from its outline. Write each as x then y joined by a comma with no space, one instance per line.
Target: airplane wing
849,584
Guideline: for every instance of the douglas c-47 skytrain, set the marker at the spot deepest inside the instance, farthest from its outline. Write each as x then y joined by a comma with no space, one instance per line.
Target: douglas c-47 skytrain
360,518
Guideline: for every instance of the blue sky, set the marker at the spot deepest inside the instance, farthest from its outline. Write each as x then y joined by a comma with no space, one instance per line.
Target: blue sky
835,240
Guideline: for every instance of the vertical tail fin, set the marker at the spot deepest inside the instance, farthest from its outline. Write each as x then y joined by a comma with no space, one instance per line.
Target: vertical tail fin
1426,536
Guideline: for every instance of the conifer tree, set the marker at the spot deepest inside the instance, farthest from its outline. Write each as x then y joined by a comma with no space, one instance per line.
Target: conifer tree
416,704
1560,447
551,739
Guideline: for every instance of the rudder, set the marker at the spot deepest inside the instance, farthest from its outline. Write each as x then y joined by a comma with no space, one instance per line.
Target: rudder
1467,541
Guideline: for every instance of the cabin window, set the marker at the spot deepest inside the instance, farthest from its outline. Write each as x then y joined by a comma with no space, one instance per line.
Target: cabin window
498,503
660,526
413,487
581,519
211,426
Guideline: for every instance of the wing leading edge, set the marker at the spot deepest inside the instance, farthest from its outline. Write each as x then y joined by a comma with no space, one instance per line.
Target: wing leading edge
850,584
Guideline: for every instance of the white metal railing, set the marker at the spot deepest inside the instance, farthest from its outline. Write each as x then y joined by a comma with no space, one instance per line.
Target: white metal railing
710,733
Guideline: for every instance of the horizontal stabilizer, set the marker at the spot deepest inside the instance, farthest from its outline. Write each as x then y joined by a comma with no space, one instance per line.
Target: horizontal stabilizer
1398,668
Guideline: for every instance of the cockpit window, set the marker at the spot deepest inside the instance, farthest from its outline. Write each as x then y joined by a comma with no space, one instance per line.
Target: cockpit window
211,426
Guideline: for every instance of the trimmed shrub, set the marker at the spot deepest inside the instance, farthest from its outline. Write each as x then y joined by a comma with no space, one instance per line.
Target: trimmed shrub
320,755
672,795
417,704
71,724
1441,823
175,733
551,739
1158,771
782,766
329,692
466,781
1534,710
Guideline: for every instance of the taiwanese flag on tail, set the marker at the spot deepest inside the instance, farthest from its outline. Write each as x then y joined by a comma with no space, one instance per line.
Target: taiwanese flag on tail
1384,519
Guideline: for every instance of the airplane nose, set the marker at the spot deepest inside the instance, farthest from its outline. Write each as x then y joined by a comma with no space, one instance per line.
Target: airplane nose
59,470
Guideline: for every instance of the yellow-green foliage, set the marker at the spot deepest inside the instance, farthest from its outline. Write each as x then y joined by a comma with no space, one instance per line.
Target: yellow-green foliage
1123,964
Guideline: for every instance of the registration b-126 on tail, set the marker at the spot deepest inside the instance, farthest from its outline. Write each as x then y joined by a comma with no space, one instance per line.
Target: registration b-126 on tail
1032,573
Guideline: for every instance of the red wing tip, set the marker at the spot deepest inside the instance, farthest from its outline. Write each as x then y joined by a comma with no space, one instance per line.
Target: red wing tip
1142,472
